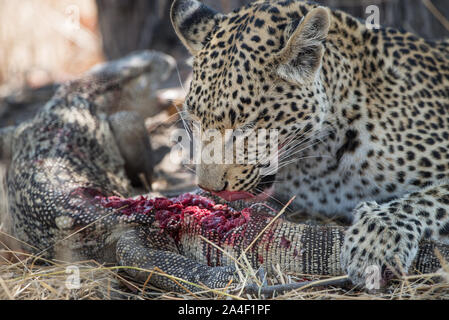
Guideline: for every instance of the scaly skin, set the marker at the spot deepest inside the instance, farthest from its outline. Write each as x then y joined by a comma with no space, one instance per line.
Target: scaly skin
296,248
68,153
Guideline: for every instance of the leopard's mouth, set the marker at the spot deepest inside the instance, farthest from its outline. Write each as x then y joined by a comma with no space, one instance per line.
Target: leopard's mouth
234,195
261,192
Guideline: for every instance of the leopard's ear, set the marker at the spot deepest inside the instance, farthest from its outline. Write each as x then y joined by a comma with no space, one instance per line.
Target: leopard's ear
193,22
300,59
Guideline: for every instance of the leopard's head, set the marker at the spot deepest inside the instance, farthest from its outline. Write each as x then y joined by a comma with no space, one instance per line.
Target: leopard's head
255,68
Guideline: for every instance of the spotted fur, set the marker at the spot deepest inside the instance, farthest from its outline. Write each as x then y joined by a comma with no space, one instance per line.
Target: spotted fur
363,117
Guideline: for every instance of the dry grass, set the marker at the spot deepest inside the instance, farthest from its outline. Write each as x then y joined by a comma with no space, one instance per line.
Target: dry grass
24,277
29,280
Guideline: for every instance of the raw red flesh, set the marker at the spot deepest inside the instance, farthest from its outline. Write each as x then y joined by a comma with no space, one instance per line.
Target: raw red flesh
285,243
216,220
171,212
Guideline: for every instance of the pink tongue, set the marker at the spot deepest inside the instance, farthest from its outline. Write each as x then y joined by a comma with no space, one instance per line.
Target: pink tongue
234,195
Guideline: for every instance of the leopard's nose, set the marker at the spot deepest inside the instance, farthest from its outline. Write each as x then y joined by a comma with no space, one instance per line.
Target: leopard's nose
211,178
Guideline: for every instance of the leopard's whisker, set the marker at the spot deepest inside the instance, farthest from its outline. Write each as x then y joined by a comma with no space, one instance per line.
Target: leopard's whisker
270,197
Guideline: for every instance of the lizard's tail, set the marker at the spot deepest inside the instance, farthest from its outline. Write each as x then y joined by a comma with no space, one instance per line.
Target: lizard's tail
321,247
116,75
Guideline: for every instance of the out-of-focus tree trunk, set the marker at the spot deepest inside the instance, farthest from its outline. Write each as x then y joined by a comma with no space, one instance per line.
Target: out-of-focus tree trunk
128,25
418,16
134,25
412,15
226,5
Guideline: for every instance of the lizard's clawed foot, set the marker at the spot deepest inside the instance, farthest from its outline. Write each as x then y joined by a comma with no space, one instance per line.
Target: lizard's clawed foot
217,277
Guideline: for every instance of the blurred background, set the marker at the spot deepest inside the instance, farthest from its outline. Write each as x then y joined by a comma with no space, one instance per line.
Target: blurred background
49,41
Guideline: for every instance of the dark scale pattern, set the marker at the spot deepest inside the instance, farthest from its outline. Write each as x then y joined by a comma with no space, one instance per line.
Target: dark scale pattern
62,159
294,248
364,112
69,153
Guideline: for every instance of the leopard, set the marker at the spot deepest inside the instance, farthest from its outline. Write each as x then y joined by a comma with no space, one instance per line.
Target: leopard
362,115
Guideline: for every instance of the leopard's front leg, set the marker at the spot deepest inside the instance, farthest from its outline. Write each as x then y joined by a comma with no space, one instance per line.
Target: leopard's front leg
387,236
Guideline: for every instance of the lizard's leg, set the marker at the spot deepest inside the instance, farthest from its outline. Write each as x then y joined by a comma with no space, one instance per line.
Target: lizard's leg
6,137
150,250
134,144
388,235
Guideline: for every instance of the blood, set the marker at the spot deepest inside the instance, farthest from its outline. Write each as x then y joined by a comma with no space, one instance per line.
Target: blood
268,238
285,243
171,213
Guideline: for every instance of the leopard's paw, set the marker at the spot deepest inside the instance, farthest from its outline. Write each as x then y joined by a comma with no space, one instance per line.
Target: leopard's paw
379,245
